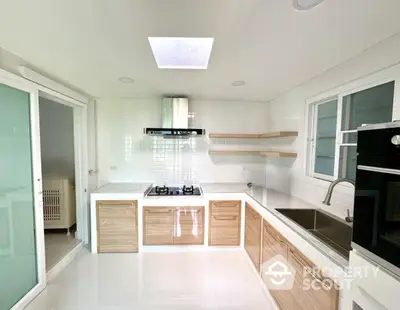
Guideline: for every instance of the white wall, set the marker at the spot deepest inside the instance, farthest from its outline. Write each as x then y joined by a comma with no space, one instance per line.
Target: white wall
125,154
57,138
289,112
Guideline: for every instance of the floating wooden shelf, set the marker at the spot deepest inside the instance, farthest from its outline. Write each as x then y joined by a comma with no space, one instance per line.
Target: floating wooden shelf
236,135
234,152
262,153
279,134
278,154
266,135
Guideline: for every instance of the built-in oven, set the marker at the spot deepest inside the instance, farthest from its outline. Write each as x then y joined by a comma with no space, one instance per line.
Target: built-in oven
376,227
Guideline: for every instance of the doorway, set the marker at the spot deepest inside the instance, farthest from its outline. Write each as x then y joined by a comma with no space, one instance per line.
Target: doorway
22,246
58,175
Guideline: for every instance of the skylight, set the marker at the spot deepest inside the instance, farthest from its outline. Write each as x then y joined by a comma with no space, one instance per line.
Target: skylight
181,53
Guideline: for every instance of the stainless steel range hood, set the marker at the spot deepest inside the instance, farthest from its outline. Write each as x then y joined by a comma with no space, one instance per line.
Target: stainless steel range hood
174,119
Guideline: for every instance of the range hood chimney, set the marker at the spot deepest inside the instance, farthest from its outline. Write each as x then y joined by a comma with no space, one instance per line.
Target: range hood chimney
174,119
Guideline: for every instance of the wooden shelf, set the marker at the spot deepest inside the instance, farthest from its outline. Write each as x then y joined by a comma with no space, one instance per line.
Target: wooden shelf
234,152
266,135
278,154
279,134
262,153
235,135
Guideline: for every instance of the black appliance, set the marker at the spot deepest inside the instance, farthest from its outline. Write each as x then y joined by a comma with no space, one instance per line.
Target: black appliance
376,227
175,191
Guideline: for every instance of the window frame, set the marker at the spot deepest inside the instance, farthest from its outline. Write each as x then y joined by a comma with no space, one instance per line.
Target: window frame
391,74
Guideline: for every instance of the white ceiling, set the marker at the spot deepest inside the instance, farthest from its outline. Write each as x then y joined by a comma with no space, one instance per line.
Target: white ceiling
91,43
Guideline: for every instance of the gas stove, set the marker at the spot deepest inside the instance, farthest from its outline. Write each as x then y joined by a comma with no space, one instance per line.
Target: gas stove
175,191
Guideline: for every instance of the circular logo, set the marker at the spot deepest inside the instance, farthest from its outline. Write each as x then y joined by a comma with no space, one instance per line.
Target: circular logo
396,140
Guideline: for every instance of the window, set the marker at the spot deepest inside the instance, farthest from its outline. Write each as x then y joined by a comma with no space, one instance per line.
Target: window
333,131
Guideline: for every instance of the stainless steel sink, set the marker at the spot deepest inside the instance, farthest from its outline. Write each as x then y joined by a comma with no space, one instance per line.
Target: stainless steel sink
332,231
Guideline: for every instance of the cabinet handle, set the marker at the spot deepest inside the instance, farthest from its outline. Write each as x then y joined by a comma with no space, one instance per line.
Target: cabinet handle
152,211
311,273
225,218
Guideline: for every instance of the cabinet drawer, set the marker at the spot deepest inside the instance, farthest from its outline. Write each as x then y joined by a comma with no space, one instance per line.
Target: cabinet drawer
225,207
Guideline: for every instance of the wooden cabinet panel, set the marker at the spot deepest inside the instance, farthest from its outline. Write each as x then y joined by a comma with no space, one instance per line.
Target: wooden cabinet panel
274,244
296,298
158,225
189,225
117,226
252,241
173,225
325,298
224,223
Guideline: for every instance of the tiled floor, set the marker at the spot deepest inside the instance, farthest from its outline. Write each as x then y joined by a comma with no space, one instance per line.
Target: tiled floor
57,245
156,281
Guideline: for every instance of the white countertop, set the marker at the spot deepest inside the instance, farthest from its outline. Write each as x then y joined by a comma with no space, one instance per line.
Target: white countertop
123,188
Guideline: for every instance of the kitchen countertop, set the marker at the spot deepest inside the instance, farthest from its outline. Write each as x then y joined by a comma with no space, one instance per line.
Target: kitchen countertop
123,188
269,200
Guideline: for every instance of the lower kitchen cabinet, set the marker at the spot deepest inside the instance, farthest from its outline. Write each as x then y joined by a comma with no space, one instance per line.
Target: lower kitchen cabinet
224,223
117,229
252,235
298,297
158,225
189,225
173,225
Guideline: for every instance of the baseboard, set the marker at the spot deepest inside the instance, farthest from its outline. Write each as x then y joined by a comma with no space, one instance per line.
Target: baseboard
62,264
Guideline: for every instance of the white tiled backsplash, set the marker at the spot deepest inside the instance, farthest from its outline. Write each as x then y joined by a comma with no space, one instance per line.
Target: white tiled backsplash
125,154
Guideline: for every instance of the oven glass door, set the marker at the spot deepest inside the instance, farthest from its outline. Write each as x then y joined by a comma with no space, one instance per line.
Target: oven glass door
376,225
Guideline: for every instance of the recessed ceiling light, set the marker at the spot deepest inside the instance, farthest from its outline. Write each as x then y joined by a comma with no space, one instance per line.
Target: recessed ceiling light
238,83
181,53
305,4
124,79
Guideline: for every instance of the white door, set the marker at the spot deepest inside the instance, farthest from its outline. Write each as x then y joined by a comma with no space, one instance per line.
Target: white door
22,258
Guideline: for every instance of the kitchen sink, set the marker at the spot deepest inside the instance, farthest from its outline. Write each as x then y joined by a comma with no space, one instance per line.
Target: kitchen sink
330,230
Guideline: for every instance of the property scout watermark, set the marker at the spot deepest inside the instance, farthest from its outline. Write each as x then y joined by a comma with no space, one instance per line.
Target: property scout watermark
279,274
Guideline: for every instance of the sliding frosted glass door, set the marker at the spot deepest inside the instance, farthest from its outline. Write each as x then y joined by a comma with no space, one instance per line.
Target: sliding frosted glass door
21,234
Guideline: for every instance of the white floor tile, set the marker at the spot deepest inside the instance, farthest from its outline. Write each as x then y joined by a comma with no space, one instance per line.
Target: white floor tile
220,280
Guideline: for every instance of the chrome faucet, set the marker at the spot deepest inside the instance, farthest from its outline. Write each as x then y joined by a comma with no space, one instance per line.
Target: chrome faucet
328,197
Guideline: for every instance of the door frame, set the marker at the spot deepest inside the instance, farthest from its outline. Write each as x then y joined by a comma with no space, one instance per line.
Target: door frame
80,160
81,163
13,81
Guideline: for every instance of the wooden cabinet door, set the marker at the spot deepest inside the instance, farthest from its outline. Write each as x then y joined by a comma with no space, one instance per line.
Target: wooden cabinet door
189,225
158,225
117,226
309,299
224,223
274,244
252,240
